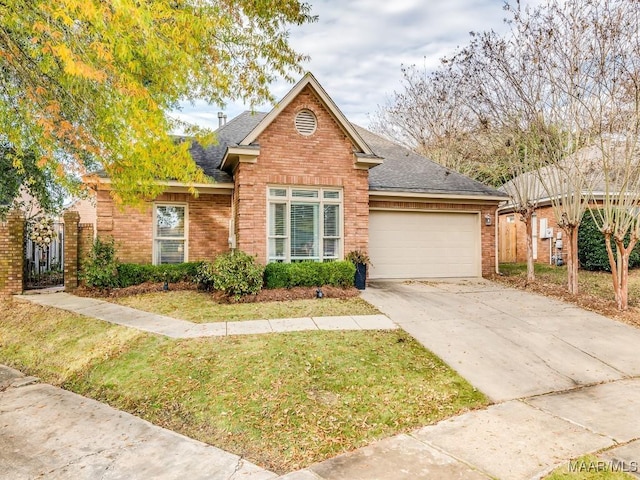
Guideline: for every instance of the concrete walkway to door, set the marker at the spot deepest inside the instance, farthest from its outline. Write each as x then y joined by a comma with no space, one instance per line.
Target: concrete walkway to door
566,382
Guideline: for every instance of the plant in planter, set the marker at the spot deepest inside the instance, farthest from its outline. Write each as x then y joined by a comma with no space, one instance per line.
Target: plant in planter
360,259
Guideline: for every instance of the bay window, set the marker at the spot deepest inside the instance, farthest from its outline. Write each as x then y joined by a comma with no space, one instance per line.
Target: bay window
170,233
304,224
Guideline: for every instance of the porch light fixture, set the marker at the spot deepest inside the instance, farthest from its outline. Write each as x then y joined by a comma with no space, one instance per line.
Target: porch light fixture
487,220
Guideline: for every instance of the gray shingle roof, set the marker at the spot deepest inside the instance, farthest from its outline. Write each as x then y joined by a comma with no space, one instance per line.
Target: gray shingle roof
405,171
401,171
230,134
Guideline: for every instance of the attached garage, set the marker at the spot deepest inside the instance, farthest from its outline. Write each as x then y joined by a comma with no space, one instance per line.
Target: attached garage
404,244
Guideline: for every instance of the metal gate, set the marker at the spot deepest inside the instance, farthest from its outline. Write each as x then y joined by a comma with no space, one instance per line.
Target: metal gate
44,263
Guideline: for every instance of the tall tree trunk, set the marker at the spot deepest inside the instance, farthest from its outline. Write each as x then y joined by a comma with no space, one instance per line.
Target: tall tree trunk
614,269
622,297
572,259
620,270
531,274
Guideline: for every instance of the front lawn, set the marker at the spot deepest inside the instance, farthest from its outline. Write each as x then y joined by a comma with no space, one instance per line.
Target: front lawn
283,401
201,307
595,288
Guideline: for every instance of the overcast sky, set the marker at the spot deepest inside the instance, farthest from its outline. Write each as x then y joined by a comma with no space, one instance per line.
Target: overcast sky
357,48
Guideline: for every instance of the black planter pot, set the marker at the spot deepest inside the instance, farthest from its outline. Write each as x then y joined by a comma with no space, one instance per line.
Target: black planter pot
361,276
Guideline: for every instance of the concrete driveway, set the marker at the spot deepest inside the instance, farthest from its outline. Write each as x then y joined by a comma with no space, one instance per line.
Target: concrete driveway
509,343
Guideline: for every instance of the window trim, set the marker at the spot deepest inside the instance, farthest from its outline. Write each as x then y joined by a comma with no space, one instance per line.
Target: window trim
321,201
155,238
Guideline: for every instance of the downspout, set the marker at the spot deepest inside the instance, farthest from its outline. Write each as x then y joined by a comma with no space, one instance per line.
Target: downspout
232,221
496,242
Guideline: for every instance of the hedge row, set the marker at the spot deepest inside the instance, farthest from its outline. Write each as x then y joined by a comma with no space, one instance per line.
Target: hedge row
309,274
235,273
135,274
276,275
592,251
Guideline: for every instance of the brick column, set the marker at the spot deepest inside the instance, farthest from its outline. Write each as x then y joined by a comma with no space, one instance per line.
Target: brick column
85,243
71,221
12,254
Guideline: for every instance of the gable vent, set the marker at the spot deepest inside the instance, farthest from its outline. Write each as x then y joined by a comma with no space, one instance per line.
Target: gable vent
306,122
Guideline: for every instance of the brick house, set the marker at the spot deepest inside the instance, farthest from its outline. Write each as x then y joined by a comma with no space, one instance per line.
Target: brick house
302,183
553,182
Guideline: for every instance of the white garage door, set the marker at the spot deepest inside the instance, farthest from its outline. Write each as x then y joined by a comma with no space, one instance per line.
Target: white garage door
424,245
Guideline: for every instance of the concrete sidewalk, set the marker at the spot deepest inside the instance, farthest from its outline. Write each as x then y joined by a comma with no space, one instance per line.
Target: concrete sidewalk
515,440
47,432
175,328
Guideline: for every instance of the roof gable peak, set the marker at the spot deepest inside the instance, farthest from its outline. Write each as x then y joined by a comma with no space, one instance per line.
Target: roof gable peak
309,81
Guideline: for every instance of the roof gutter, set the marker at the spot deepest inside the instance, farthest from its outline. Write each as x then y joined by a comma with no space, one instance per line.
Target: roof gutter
438,196
171,185
546,201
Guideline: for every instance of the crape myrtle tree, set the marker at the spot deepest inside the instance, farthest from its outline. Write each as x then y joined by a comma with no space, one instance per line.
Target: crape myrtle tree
88,84
555,51
594,71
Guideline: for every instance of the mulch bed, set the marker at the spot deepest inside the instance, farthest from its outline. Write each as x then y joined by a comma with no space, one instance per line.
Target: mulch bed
265,295
295,293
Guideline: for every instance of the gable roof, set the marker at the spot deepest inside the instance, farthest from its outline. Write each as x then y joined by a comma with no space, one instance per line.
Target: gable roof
561,179
404,170
308,81
230,134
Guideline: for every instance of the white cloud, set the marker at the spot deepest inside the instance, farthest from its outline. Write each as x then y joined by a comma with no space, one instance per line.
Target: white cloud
357,48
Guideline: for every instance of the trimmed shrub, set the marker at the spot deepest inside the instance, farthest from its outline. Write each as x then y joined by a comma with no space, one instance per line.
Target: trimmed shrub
276,275
204,276
305,274
339,274
101,268
135,274
237,274
592,251
309,274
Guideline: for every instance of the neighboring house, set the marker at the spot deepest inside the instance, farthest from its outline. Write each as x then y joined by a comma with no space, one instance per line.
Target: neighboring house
302,183
512,246
86,208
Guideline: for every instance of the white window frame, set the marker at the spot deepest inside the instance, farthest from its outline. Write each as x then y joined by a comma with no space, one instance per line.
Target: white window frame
321,202
156,238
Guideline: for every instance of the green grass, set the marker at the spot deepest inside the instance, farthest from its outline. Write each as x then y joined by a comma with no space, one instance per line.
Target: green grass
200,307
282,401
587,468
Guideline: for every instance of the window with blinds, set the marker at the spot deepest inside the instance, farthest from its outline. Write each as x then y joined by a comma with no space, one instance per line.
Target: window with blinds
304,224
169,234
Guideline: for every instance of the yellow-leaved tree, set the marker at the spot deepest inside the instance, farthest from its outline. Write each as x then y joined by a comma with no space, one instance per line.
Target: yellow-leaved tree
91,83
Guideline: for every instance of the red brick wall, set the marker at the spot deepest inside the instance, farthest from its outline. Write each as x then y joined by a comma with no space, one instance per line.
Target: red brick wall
11,254
324,158
71,220
132,228
488,233
85,242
